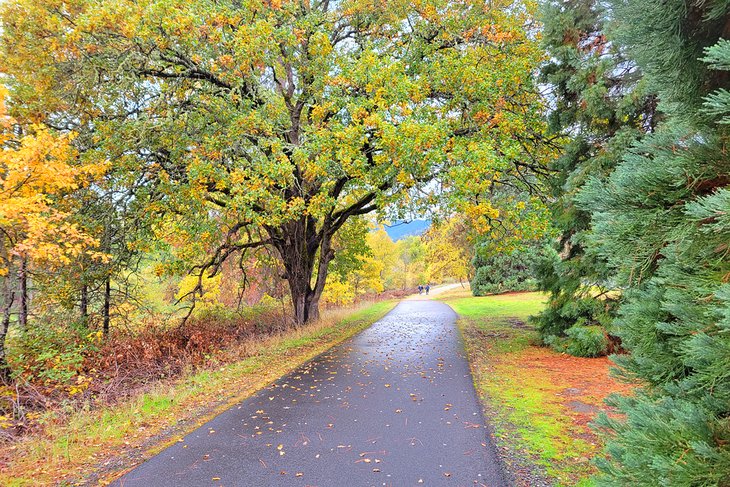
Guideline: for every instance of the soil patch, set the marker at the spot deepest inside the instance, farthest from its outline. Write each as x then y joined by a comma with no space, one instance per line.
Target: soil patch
583,408
519,324
572,391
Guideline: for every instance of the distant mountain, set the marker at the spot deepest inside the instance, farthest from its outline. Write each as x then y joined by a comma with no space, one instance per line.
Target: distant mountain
400,230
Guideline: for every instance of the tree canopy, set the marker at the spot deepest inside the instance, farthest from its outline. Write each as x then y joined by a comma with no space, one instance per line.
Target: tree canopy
183,147
601,106
37,170
262,123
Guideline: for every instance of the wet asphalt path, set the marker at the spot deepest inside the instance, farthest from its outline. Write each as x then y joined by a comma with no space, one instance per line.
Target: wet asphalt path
393,406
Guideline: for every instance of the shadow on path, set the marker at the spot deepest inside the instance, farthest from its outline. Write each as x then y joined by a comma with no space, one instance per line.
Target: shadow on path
393,406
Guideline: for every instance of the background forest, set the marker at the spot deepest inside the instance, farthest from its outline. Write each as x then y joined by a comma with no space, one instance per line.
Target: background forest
178,176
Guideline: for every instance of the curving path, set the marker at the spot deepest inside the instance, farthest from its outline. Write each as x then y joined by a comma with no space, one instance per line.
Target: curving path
393,406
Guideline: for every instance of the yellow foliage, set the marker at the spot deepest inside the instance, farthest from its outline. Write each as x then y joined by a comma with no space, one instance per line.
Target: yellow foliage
269,302
378,272
338,292
370,276
82,383
448,251
481,215
208,296
6,421
35,171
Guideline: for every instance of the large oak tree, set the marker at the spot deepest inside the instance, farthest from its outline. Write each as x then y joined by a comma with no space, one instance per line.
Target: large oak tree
251,124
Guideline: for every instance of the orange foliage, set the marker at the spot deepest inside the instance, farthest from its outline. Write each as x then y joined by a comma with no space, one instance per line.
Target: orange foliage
583,383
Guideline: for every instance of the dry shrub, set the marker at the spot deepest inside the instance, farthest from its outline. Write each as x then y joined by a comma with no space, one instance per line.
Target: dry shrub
124,363
103,371
127,360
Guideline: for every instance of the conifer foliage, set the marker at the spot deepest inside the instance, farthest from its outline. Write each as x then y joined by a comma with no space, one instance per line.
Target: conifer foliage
601,106
661,222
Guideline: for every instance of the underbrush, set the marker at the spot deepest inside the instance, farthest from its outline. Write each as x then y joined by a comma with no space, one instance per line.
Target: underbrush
580,326
66,366
581,341
63,368
126,415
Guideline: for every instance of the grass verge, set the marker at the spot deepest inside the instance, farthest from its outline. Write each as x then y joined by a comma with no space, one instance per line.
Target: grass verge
540,402
93,446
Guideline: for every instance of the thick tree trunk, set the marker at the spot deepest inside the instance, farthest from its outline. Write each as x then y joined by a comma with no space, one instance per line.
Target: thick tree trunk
306,304
107,305
305,297
23,279
302,250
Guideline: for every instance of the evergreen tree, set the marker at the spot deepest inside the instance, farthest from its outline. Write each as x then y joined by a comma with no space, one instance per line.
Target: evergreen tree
599,102
502,272
661,221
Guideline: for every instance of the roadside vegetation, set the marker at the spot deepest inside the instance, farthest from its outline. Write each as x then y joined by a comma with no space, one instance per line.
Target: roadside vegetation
539,401
182,177
169,170
94,443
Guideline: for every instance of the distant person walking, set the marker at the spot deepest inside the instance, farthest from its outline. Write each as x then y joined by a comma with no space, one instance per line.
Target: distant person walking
420,289
428,288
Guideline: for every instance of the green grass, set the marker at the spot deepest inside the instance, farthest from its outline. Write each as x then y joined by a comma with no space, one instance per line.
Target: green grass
494,318
514,305
72,448
524,405
529,406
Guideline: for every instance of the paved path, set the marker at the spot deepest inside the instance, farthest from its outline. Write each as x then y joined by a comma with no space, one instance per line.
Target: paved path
436,290
394,406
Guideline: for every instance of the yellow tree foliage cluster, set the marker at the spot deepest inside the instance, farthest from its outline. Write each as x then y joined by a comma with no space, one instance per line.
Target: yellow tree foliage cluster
35,171
449,250
442,254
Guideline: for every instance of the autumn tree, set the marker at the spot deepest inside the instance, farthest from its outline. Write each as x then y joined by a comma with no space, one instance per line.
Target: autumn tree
351,257
384,254
410,269
273,123
448,250
37,168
